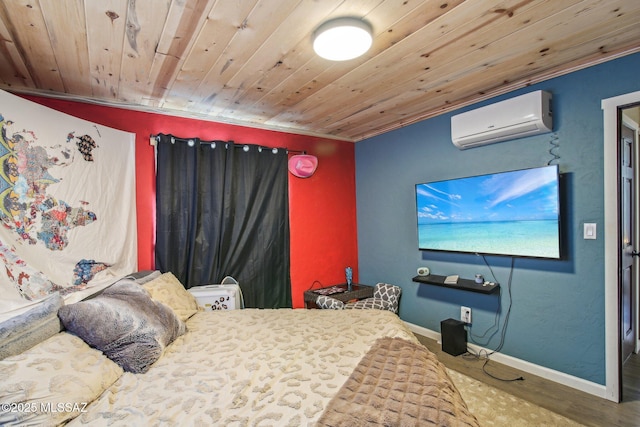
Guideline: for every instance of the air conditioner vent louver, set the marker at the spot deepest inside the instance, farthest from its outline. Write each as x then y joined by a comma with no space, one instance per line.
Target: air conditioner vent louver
525,115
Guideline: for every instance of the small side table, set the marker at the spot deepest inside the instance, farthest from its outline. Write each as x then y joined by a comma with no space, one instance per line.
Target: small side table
340,292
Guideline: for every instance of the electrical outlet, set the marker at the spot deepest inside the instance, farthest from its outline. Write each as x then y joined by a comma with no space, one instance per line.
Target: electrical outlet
465,314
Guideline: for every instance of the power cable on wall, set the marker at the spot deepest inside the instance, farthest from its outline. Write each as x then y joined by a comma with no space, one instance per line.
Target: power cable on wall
553,150
483,353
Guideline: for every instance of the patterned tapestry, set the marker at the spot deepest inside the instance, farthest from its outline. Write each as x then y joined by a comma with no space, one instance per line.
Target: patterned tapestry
67,205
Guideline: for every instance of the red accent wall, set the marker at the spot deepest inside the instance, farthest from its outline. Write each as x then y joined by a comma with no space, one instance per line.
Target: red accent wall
322,208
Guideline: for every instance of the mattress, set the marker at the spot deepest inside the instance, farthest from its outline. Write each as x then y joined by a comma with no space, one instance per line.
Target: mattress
247,367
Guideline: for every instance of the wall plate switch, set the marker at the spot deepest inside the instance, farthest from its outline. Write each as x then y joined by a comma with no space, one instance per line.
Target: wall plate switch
590,230
465,314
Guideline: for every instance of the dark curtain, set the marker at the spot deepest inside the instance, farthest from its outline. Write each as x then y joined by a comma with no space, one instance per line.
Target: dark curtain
223,210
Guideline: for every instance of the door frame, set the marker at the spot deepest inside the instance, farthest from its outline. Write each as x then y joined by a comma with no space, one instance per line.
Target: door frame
636,127
630,123
611,247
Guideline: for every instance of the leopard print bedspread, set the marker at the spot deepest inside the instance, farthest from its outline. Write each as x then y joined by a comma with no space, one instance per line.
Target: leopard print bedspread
247,368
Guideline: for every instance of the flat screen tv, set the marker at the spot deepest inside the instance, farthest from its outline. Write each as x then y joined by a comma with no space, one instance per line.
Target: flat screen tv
514,213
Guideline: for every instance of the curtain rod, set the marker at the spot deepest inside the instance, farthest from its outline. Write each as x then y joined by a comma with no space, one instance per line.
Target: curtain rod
153,140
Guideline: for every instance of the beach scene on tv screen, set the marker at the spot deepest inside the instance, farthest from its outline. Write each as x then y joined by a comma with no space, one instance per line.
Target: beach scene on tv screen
509,213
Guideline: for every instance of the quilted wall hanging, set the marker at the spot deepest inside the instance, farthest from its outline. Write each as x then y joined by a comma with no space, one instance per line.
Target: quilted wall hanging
67,205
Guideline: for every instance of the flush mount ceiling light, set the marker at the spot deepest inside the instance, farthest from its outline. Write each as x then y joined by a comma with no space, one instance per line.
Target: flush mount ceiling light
341,39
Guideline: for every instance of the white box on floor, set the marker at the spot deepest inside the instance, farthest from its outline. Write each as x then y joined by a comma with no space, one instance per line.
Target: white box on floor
224,296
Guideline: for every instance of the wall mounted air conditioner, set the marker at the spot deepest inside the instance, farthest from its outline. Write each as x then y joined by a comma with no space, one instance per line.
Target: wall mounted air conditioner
524,115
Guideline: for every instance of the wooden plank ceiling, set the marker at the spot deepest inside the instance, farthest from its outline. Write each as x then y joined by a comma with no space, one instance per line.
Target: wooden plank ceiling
251,62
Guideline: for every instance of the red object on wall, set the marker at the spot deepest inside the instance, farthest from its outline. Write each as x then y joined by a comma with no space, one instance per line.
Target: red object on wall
322,208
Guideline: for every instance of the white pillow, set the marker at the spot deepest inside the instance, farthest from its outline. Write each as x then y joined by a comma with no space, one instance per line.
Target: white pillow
54,381
168,290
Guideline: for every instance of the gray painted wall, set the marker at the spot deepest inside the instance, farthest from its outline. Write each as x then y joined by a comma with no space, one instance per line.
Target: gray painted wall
557,313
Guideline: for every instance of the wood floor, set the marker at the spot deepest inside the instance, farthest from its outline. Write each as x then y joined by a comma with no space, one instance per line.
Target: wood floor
576,405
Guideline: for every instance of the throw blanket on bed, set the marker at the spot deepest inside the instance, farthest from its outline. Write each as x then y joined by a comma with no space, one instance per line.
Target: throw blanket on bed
398,383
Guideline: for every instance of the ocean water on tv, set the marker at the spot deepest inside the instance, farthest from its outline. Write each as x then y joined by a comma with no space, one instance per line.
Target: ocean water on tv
521,238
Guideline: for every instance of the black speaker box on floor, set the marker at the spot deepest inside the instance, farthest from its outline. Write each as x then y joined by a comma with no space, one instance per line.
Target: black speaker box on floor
454,337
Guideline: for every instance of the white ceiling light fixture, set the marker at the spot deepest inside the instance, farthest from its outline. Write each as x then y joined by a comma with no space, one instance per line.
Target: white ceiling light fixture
342,39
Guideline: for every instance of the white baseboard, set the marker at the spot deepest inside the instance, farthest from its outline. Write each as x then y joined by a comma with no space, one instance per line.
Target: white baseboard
592,388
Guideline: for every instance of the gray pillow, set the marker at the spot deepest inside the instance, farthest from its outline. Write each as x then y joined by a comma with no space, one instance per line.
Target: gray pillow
125,324
144,276
22,332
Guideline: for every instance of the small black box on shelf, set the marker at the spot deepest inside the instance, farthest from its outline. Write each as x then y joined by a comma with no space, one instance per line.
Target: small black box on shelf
453,336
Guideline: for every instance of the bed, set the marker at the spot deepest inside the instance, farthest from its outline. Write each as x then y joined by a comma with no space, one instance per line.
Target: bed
284,367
